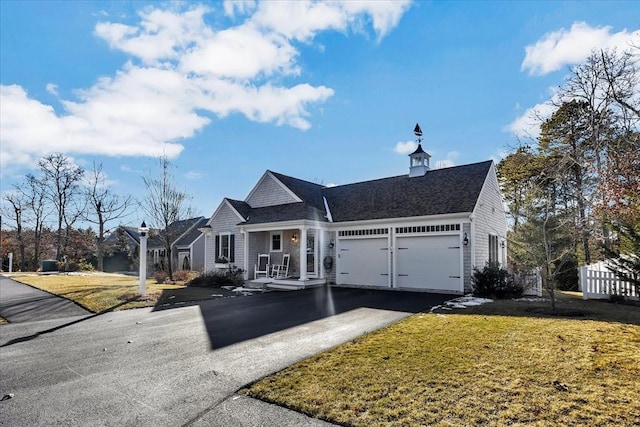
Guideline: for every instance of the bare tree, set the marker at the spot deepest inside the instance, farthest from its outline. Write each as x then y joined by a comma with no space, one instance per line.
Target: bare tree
60,182
165,204
17,201
103,206
36,197
27,210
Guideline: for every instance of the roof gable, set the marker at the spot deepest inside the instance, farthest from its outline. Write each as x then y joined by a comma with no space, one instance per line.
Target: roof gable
270,191
306,191
240,209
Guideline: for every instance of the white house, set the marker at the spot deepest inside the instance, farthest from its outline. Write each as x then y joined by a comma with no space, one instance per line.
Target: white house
422,231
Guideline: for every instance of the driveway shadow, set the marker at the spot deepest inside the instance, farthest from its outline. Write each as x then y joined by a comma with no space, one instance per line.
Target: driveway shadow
65,325
233,320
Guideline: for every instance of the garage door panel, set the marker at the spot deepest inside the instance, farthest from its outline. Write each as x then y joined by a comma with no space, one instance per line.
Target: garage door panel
363,262
430,262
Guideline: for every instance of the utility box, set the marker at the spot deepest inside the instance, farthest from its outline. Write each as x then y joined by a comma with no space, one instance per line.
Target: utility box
49,265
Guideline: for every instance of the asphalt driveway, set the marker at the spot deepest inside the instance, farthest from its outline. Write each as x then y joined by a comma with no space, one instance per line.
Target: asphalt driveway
181,366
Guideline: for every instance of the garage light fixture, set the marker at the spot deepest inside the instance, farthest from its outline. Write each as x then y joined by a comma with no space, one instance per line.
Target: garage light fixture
294,237
465,239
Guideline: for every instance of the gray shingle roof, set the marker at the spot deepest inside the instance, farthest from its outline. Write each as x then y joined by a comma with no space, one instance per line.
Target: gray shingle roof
193,234
286,212
243,208
441,191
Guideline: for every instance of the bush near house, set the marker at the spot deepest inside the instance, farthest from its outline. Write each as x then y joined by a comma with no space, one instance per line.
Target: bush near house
233,276
160,276
184,275
495,282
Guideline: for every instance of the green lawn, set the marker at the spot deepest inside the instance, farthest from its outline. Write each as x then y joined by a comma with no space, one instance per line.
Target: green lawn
501,364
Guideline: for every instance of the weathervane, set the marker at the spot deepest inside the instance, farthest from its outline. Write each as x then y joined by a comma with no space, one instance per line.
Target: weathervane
418,132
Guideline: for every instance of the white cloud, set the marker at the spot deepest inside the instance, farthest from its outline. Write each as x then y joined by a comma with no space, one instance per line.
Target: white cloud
242,7
127,168
301,20
448,162
52,89
181,69
193,175
241,53
560,48
405,148
527,126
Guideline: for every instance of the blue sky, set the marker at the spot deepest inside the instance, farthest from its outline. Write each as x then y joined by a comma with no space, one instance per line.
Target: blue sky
327,92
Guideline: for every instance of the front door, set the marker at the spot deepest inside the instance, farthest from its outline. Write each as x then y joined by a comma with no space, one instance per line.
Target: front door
312,254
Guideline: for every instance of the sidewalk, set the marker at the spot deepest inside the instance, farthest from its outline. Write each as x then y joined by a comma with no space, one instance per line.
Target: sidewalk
22,303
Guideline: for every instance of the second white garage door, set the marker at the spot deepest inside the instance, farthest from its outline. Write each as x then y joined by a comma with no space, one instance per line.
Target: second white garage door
428,262
363,262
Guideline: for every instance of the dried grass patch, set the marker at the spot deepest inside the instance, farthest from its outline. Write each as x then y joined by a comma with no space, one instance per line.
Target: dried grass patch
99,292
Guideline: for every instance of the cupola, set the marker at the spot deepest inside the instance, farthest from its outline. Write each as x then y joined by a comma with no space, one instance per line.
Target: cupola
419,159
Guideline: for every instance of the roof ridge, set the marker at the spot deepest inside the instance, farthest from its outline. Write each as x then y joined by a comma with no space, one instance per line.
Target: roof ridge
430,171
297,179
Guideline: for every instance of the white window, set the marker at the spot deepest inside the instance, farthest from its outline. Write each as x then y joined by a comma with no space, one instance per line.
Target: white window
493,249
276,242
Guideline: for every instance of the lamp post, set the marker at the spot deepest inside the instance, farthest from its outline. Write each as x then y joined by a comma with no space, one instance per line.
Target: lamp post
143,258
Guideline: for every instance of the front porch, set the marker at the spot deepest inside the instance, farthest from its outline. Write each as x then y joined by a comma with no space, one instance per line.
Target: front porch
302,243
288,284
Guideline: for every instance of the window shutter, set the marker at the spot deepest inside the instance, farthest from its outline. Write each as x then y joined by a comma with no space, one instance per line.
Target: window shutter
217,247
232,249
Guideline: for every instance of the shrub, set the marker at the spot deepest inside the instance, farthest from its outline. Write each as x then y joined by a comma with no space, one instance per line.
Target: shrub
182,275
232,276
493,281
617,298
75,265
160,276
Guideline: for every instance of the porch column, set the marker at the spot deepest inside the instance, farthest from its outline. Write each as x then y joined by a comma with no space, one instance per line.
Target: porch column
245,253
303,254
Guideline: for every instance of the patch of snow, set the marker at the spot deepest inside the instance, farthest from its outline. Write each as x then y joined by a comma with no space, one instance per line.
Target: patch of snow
462,302
531,299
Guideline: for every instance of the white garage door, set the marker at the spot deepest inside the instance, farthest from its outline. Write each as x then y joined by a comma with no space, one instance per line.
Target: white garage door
428,262
363,262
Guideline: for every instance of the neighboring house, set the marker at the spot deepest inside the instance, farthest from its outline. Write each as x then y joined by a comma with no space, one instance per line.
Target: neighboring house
422,231
187,247
121,249
188,250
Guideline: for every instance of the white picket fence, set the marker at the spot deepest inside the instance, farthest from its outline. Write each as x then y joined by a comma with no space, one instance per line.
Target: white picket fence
598,282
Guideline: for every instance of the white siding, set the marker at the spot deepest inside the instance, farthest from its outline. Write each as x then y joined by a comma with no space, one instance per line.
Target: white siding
269,192
225,221
490,218
197,254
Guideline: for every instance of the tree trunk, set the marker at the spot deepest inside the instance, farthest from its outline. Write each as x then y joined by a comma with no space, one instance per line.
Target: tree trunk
100,251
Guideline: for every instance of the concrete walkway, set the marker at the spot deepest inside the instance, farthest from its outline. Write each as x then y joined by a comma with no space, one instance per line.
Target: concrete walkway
21,303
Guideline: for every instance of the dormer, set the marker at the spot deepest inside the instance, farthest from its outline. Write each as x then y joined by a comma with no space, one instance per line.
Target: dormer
419,159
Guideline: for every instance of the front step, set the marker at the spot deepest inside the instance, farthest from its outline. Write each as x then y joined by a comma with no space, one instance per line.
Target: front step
285,286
